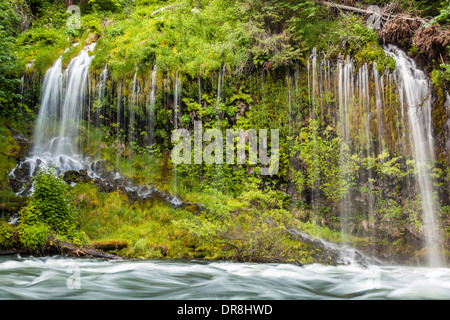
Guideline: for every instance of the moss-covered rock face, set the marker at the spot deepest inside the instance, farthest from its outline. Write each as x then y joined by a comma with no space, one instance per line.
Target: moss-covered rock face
320,77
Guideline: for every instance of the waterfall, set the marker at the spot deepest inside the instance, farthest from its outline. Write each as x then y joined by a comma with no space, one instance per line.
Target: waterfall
151,117
119,100
62,106
131,123
345,103
364,102
220,85
51,97
131,127
101,96
379,96
76,76
175,126
414,85
313,98
56,132
199,90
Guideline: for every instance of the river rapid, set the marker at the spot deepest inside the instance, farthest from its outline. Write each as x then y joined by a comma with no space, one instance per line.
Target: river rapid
83,279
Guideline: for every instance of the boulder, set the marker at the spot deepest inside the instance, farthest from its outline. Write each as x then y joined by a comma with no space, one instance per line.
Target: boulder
73,176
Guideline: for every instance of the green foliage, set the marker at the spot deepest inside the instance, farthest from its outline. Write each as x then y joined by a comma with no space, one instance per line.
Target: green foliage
352,34
373,53
8,151
10,65
7,235
441,76
330,165
106,5
35,236
249,229
444,14
41,46
48,212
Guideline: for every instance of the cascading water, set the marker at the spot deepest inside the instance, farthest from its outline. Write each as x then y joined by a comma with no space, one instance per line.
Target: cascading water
175,126
101,95
364,102
151,117
119,100
132,116
414,85
345,96
368,124
57,131
49,113
57,128
313,97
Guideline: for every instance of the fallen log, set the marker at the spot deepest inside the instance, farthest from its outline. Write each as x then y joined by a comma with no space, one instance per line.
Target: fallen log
12,252
73,250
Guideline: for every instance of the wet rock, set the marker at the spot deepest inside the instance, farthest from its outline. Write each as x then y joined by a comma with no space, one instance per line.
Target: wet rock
73,176
193,208
24,147
22,171
99,167
322,254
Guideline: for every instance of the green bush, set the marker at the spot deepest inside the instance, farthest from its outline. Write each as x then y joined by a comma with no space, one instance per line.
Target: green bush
33,237
48,210
7,232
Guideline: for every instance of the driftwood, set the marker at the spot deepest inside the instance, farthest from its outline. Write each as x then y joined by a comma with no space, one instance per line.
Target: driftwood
56,246
76,251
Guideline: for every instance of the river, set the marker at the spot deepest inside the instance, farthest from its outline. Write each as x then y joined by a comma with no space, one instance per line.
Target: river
84,279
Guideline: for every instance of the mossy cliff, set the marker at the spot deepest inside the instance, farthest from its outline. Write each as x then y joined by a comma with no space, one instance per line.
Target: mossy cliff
244,65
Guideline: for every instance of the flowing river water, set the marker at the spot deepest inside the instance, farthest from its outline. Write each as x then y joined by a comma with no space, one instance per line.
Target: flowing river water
82,279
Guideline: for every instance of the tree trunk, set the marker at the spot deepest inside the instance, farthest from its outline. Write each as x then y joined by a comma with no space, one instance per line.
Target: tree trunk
69,3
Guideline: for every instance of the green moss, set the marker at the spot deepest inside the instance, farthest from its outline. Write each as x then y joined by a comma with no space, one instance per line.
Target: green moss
9,150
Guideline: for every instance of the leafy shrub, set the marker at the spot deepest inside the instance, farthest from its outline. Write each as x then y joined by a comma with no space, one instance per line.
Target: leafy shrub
7,232
10,66
33,237
48,211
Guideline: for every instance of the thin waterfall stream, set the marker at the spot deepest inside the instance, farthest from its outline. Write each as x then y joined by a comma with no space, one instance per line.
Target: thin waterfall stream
415,86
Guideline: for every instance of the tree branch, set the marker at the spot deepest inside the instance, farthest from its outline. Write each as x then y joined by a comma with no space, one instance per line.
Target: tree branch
167,7
384,16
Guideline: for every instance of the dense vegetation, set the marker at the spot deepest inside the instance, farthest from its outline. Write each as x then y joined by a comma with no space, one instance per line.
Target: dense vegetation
255,48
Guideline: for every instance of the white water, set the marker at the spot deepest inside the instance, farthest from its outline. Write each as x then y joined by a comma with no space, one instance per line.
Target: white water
60,278
415,87
62,105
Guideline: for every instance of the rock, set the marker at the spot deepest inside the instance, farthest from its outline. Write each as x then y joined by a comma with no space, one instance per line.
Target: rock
22,171
24,147
193,208
298,264
73,176
98,166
